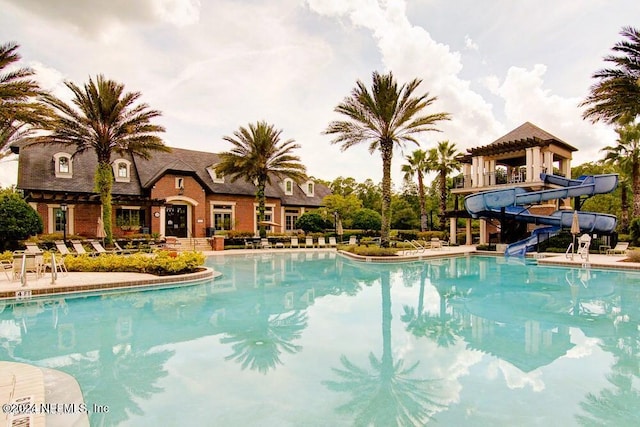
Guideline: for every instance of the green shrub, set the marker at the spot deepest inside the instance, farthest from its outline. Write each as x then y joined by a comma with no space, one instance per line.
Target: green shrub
371,251
367,219
634,231
311,222
161,263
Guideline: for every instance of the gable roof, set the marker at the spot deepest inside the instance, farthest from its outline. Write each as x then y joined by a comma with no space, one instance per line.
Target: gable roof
36,172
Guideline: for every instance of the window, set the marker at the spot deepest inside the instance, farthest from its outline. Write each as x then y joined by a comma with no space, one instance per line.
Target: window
121,170
309,188
218,178
180,183
130,218
63,165
58,220
223,217
288,187
290,218
268,217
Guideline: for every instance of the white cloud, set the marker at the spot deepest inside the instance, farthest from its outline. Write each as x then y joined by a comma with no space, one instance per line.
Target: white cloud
470,44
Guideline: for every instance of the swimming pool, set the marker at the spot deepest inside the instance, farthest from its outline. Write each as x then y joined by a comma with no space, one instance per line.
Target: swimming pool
315,339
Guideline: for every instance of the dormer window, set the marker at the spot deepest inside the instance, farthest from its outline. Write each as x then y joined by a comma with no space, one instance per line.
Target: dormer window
63,165
308,188
121,170
288,187
216,177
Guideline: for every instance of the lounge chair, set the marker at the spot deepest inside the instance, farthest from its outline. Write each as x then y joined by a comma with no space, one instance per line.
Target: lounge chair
32,248
62,247
308,242
294,242
97,246
322,243
620,248
77,246
172,242
125,250
264,244
33,263
7,268
332,242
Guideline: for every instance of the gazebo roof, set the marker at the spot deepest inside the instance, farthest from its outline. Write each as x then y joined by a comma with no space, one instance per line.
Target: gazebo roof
524,136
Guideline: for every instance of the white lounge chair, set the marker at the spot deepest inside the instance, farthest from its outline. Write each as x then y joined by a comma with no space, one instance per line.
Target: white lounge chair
352,241
322,243
294,242
264,244
308,242
77,246
62,247
332,242
620,248
7,267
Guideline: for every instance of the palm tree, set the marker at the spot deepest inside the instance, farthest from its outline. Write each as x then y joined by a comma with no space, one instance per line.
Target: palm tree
384,116
417,164
20,111
616,97
443,159
626,153
257,155
105,120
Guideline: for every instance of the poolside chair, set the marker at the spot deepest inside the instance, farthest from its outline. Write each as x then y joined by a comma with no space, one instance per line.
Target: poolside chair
77,246
620,248
33,263
62,247
352,241
294,242
322,243
264,244
332,242
7,268
308,242
583,246
97,246
32,248
124,250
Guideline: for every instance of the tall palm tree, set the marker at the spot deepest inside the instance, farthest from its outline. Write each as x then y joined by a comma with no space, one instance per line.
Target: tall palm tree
257,155
417,165
443,159
20,110
626,153
105,119
384,116
616,96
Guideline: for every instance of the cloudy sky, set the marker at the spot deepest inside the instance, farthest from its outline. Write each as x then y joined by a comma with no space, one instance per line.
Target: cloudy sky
213,65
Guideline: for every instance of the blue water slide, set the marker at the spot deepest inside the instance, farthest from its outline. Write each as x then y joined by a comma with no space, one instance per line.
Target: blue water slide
538,235
511,203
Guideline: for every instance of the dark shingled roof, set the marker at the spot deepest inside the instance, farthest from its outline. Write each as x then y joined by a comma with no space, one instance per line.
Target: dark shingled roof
36,172
524,136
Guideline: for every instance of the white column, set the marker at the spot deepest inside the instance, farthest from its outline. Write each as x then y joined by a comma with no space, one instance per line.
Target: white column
537,166
492,172
466,175
453,231
474,171
480,171
529,164
469,236
483,232
548,161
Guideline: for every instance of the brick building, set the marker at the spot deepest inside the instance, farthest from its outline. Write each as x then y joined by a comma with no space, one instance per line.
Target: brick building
173,194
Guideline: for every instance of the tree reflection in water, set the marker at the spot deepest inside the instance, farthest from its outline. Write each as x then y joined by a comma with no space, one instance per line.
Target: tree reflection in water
385,395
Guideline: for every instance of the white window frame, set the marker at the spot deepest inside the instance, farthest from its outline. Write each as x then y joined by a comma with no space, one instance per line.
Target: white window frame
215,210
270,210
58,173
115,165
288,187
218,179
51,221
309,188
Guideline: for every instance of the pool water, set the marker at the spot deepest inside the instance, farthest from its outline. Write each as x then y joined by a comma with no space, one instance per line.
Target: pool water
315,339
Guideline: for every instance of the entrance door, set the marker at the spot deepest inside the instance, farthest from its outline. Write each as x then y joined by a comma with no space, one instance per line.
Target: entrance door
176,221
